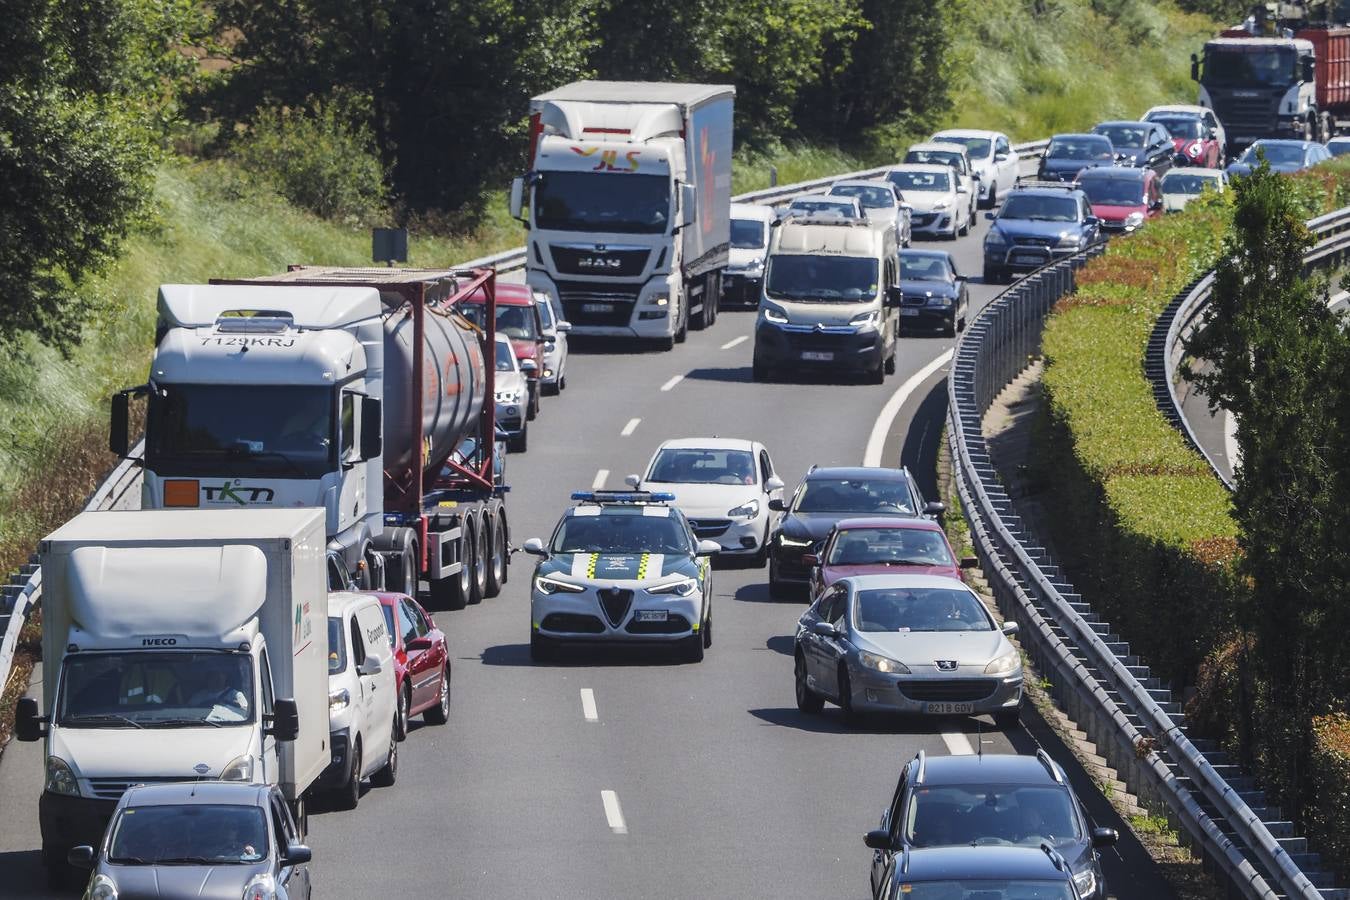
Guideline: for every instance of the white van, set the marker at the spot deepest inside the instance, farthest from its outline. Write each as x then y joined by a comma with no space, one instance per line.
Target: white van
830,299
751,224
362,699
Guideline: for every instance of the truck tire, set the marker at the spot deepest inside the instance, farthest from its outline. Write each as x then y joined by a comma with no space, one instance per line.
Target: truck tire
682,326
408,564
452,592
496,572
478,580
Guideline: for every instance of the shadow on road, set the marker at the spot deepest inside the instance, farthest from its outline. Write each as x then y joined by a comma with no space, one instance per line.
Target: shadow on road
586,655
781,643
920,449
22,875
831,721
728,374
760,593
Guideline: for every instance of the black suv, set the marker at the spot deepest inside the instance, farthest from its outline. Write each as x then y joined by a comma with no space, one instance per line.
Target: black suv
827,496
995,800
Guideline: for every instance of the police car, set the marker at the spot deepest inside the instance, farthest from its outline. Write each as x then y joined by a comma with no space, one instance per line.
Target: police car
622,566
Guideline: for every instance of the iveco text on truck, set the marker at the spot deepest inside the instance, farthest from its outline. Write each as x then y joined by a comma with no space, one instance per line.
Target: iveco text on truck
356,390
178,646
629,205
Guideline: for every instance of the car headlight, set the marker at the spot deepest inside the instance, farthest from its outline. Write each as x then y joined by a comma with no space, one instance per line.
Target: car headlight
746,510
261,887
241,769
102,888
660,298
1004,665
682,588
866,321
60,777
1134,220
786,541
546,585
1086,882
883,664
942,204
939,301
772,314
338,700
995,238
1069,241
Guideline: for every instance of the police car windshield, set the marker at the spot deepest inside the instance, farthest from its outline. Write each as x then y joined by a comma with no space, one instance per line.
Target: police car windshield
691,466
621,532
161,688
833,495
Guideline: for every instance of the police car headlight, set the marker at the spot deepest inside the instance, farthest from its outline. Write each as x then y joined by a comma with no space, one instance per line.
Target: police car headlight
241,769
545,585
1086,882
60,778
102,888
883,664
682,588
745,510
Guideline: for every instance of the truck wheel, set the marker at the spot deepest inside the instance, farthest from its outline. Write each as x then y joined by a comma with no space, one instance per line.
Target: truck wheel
407,566
496,574
478,583
682,329
349,795
389,773
440,713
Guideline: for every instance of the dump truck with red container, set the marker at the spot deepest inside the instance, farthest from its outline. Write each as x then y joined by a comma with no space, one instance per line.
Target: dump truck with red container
1286,77
361,391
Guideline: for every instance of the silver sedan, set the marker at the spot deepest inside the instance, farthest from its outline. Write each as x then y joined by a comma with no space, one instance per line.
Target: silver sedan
913,644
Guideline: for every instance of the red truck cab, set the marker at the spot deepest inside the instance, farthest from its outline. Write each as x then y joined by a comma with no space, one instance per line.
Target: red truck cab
518,319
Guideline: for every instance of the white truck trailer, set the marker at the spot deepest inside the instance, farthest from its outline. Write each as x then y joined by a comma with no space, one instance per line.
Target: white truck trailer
629,205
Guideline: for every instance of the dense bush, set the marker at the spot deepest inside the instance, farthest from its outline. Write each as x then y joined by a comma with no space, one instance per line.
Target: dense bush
1329,815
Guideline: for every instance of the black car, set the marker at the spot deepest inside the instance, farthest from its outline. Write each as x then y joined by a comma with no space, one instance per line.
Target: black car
1069,154
989,800
1144,145
1023,873
934,295
827,496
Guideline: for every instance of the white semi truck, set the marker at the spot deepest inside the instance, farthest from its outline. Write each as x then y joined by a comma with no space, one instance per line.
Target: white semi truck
178,645
629,195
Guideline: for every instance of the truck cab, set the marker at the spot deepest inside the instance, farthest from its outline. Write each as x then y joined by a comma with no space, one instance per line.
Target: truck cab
1260,87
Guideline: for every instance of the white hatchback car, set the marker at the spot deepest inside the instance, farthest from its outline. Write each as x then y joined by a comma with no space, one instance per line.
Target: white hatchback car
953,155
881,201
723,486
991,156
362,698
820,204
1184,183
939,209
553,379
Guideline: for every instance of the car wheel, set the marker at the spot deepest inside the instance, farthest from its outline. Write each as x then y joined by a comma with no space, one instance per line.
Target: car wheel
562,383
59,873
401,715
707,632
808,701
993,275
532,407
878,374
519,443
388,774
993,196
761,556
440,713
693,648
846,696
890,364
349,795
949,328
541,649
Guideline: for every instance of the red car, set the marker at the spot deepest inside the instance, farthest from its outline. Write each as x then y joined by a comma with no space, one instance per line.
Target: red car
518,319
1123,197
875,546
1196,143
421,662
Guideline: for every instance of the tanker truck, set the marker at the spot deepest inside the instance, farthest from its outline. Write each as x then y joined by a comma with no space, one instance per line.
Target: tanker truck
360,391
629,205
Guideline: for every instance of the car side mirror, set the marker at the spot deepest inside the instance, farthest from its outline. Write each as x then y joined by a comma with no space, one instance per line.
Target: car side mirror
372,428
934,508
421,643
534,547
961,278
707,548
880,839
28,720
81,857
773,484
370,667
1000,157
990,216
1156,204
1008,628
1195,67
285,721
1092,220
563,327
632,481
297,855
825,629
970,562
1309,69
895,296
810,559
1104,837
777,505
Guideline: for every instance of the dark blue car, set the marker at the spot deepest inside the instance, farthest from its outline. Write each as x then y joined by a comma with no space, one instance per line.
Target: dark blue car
935,296
1283,156
1069,154
1039,873
1038,225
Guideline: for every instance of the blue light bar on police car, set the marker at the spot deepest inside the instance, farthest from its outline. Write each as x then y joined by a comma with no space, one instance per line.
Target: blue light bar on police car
623,496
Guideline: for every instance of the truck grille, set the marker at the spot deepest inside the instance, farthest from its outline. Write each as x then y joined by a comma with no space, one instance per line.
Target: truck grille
960,690
587,260
585,302
1246,117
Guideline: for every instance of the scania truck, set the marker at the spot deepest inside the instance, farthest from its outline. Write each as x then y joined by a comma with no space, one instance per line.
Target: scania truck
362,391
628,190
177,645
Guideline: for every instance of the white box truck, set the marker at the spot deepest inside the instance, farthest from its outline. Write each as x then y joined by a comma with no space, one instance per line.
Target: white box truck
629,205
178,645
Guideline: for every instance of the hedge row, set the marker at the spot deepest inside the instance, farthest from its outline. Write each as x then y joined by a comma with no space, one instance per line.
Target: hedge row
1329,814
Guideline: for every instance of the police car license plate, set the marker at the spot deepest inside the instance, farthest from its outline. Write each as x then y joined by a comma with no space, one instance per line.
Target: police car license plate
948,709
816,356
597,307
1027,259
652,615
905,311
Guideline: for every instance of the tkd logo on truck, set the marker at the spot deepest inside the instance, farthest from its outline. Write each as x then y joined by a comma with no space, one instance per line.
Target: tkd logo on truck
238,493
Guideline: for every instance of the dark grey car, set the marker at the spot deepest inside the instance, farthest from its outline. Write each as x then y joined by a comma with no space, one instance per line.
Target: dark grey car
213,839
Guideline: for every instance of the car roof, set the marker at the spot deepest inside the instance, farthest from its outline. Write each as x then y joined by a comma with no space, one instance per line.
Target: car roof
342,602
937,145
921,167
196,793
873,473
1179,109
502,337
965,132
888,522
964,863
1078,135
899,580
861,182
508,294
989,768
1283,142
927,254
1113,122
826,198
759,211
1050,192
1196,170
708,443
1114,173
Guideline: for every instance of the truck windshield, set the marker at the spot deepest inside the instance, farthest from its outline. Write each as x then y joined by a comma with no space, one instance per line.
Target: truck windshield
156,689
593,201
1256,65
828,278
227,430
198,834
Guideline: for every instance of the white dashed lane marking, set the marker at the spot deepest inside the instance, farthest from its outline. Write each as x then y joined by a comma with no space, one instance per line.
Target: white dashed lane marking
588,709
957,743
734,341
598,482
630,427
672,382
613,814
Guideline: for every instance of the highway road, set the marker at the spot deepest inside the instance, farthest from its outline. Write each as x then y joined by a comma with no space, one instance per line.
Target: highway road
629,775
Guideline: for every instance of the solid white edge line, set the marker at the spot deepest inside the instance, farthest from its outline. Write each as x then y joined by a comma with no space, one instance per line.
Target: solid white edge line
630,427
876,443
613,814
598,482
734,341
588,709
672,382
957,743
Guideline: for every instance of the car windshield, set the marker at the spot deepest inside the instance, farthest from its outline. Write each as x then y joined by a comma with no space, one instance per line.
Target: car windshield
919,609
1081,148
1186,183
985,889
163,688
936,158
1182,127
920,181
924,267
337,647
1027,814
870,197
1250,65
506,357
516,322
976,147
825,278
838,207
889,546
1276,154
838,495
693,466
621,532
227,430
206,834
747,234
592,201
1113,191
1040,208
1131,137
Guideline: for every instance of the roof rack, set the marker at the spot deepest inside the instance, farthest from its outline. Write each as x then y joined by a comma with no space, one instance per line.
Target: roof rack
922,760
817,217
636,497
1050,766
1048,185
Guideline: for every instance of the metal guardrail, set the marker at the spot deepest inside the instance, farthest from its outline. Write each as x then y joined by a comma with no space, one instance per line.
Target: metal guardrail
1186,312
1142,734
